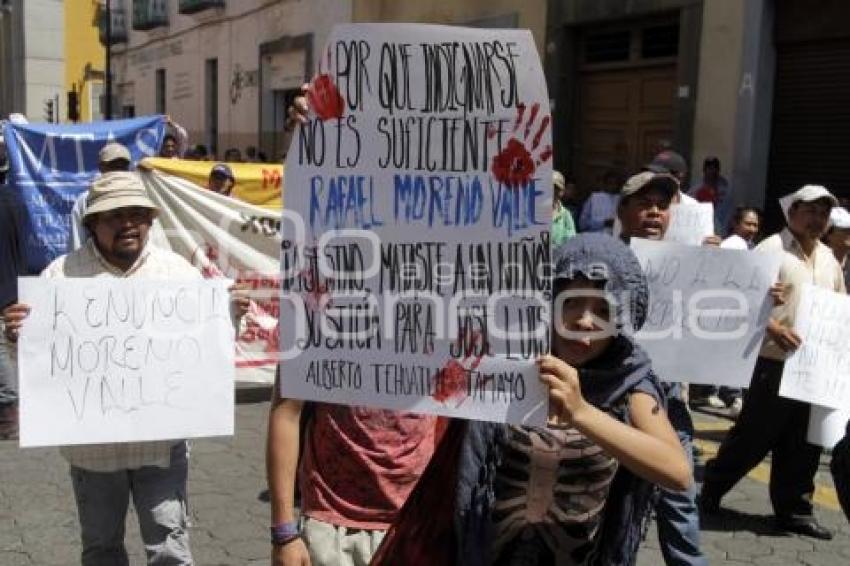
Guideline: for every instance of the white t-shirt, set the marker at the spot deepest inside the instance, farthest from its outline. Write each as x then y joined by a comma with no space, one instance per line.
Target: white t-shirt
735,242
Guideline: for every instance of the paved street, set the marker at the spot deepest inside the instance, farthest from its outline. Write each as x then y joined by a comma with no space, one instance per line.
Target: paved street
38,525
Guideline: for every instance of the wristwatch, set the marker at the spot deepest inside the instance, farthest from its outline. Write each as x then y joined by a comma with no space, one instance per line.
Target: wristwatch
284,533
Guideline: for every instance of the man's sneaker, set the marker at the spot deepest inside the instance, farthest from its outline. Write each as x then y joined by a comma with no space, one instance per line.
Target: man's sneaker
735,407
715,402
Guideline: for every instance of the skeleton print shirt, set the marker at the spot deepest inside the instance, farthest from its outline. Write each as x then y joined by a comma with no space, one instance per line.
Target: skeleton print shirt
551,489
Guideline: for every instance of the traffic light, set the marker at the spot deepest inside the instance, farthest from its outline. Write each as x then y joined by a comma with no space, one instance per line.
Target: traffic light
73,106
48,111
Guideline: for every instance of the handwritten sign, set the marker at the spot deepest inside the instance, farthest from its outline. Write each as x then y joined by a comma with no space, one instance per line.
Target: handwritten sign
690,223
708,310
120,360
819,371
417,281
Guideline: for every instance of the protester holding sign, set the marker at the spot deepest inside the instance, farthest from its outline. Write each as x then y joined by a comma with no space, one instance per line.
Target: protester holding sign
580,490
746,223
644,212
119,216
768,422
743,232
420,201
358,466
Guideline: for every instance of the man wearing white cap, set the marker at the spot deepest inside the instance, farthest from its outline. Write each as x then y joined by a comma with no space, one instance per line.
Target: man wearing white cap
838,239
113,157
768,422
119,215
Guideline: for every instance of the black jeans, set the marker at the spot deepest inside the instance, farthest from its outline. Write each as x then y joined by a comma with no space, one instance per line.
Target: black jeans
769,423
840,468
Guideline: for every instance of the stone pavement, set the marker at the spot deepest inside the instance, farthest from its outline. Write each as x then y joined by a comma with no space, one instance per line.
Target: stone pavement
743,533
38,524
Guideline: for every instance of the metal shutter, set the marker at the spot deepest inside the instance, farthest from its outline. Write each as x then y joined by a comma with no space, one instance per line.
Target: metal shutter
810,134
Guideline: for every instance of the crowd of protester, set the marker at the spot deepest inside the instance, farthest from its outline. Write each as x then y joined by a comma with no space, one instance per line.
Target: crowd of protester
353,485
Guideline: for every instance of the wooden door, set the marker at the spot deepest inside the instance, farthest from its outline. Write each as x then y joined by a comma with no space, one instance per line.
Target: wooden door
625,116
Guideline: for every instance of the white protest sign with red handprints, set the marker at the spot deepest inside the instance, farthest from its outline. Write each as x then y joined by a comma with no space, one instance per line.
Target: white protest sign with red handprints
424,178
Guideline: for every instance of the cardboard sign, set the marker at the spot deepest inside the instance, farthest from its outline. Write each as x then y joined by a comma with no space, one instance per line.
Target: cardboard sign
708,310
690,223
121,360
819,371
417,279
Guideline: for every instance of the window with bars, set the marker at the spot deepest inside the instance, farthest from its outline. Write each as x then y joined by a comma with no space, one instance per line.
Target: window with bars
659,41
192,6
149,14
637,43
607,47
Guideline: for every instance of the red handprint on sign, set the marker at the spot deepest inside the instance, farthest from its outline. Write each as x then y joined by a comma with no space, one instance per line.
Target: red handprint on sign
515,165
453,378
324,97
316,295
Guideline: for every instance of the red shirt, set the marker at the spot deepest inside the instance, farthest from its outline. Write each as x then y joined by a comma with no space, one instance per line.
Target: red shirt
359,465
707,193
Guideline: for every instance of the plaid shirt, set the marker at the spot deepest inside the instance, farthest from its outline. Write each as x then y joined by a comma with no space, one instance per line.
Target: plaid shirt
153,263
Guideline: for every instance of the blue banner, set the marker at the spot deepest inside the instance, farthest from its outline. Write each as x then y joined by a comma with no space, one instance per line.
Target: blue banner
51,164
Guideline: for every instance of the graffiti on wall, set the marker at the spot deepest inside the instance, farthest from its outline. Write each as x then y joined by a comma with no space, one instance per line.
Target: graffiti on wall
241,80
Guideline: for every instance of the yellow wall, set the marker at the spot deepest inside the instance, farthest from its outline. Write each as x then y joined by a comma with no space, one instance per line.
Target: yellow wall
718,83
531,13
81,47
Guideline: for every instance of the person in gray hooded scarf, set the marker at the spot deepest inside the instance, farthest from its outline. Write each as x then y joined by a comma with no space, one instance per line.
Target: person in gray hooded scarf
579,491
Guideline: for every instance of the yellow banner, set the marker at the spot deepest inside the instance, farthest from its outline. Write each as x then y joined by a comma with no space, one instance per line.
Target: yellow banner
256,183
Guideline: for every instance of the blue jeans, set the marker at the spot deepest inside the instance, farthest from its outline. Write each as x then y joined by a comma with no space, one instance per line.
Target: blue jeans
8,372
677,514
159,496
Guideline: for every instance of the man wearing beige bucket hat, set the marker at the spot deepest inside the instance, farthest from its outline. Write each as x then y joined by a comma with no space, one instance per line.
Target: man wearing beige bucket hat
119,215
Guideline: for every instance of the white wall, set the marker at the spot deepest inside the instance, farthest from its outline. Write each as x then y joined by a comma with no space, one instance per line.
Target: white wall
44,59
233,36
